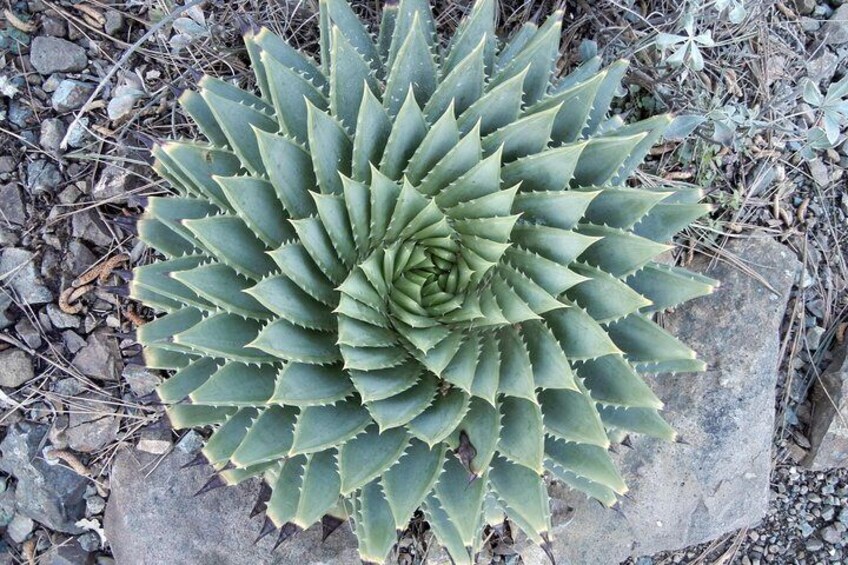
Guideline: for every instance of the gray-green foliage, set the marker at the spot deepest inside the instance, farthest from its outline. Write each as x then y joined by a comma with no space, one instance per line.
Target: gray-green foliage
412,276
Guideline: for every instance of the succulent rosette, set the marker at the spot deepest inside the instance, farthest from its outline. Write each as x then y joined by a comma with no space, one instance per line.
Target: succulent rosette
413,276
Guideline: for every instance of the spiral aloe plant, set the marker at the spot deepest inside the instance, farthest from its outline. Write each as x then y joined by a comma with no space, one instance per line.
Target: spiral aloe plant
412,276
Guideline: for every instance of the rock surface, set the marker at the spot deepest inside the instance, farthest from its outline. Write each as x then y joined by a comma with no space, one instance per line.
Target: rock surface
49,494
17,270
680,494
15,368
52,54
100,358
829,426
686,494
92,424
147,520
835,30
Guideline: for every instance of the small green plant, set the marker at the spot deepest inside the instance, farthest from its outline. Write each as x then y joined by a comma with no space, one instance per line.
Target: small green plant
413,276
831,115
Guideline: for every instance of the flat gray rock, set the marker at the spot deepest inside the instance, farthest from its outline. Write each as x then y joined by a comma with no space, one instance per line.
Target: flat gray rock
680,494
17,271
828,428
15,368
49,494
153,518
687,494
53,54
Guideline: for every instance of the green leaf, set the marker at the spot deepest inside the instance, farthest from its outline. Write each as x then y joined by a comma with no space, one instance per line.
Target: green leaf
228,239
606,92
478,26
331,150
580,336
411,478
286,299
372,517
462,86
237,384
224,287
439,140
357,200
561,246
322,427
294,261
525,136
639,420
667,287
301,384
603,296
516,378
643,341
407,133
384,383
333,214
372,358
282,506
572,416
575,106
612,380
160,278
290,171
525,497
588,461
404,23
225,335
319,490
337,17
540,54
618,252
544,178
284,340
289,56
163,329
462,502
440,419
481,426
487,376
664,221
412,70
350,76
522,434
461,369
400,409
551,368
269,437
372,130
164,239
196,107
455,167
224,441
554,277
291,92
184,416
317,242
622,207
184,381
194,165
234,119
603,158
497,108
256,202
369,455
599,492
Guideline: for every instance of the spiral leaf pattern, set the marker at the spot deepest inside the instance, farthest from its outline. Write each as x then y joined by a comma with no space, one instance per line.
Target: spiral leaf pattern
412,276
